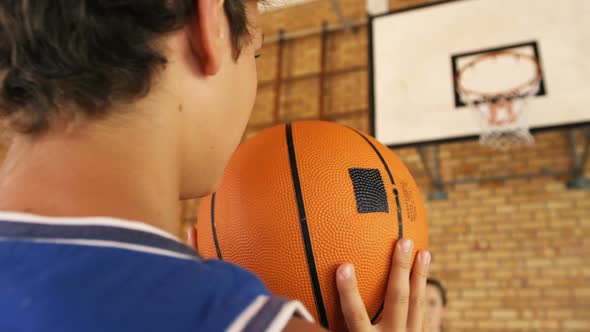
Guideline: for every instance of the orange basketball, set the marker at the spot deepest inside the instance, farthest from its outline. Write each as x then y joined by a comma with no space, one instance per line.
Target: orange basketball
298,200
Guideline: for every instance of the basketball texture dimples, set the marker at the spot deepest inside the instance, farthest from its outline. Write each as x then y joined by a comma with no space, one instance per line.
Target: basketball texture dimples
298,200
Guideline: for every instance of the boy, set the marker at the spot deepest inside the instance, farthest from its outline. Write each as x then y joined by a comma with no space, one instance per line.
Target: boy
118,108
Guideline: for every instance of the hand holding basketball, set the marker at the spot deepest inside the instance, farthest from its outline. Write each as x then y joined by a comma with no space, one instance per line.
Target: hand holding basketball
404,300
300,199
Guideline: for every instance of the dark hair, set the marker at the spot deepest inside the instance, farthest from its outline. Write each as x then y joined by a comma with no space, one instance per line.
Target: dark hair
86,54
441,289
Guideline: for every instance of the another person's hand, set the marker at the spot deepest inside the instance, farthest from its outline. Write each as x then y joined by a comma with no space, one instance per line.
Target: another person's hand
405,298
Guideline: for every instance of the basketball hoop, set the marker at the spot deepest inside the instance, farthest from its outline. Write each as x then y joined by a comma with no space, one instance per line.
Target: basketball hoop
501,112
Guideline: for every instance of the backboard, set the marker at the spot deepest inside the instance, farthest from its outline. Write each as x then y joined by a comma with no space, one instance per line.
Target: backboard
418,53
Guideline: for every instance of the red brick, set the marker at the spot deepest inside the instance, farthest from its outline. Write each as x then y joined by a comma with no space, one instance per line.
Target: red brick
504,314
576,325
474,294
560,313
544,325
518,324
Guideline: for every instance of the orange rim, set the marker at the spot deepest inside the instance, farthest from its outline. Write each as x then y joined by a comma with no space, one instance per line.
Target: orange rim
509,92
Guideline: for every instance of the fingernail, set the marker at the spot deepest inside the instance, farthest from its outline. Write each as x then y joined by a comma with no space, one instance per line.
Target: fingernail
346,271
426,258
407,245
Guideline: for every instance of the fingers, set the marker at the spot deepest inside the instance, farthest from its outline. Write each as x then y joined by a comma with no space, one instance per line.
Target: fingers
405,298
418,292
351,302
395,313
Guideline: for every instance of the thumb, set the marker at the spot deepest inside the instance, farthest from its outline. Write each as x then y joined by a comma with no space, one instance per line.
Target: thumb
353,307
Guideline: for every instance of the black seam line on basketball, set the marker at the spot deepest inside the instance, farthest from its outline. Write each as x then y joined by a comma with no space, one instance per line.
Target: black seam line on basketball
317,292
213,228
378,154
400,223
379,311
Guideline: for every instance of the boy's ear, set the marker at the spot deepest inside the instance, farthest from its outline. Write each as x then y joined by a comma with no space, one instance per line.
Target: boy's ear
192,237
206,36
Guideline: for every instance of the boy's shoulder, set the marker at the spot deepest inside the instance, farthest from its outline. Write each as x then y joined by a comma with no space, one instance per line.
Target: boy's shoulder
107,275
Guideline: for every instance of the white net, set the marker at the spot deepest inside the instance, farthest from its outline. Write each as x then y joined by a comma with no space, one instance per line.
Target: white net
497,88
504,124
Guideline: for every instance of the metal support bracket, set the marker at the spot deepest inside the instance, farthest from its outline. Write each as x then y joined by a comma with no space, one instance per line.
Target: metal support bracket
322,74
580,160
346,23
279,78
434,173
579,180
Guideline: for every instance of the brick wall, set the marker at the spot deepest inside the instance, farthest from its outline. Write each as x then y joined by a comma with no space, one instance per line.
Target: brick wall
511,252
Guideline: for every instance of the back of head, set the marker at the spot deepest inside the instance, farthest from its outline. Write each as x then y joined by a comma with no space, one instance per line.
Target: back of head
64,63
442,291
70,58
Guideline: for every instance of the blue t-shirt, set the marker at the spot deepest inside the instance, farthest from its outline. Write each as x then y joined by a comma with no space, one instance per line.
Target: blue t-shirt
101,274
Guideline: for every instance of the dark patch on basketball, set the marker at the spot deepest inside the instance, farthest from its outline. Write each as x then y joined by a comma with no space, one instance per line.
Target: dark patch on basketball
369,190
400,222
